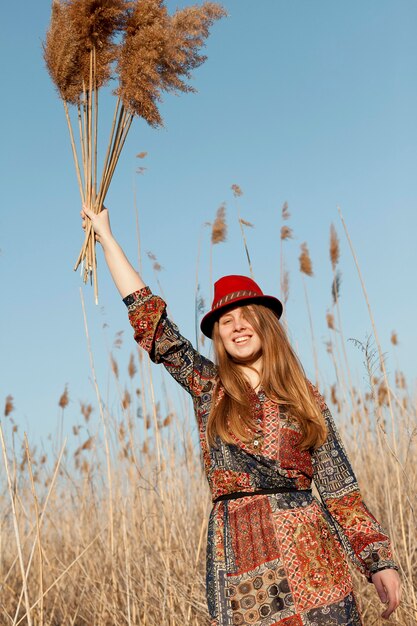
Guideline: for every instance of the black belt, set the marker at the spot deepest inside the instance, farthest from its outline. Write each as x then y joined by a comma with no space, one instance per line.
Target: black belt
243,494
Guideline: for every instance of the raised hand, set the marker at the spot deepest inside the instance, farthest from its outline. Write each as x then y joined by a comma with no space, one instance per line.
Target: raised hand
99,221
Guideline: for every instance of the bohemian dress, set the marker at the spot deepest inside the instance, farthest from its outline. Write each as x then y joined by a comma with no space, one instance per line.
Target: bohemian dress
275,558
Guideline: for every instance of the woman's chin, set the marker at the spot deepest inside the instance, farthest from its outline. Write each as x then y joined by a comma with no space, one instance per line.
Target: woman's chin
248,358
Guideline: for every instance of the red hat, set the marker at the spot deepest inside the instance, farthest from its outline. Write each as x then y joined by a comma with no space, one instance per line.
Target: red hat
234,290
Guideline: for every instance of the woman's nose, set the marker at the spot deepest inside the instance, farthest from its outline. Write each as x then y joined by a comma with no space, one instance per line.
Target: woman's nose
238,323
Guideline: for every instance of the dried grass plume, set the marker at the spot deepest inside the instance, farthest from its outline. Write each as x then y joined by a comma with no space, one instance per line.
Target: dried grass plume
286,233
330,320
159,52
64,399
237,192
336,282
76,28
285,214
306,266
219,229
9,406
334,247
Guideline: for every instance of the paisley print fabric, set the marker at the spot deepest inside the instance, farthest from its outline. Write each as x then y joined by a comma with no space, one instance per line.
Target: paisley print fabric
275,559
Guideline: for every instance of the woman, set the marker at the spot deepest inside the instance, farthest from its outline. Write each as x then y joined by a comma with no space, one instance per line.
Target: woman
275,554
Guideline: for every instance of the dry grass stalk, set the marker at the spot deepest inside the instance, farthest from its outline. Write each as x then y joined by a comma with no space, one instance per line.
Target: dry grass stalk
126,400
400,381
378,344
285,286
86,410
167,421
382,394
243,223
38,531
334,247
394,338
114,366
330,320
198,299
286,233
334,397
146,50
284,276
237,192
64,399
334,253
50,484
131,368
9,406
16,529
285,214
105,428
306,266
218,233
219,228
336,282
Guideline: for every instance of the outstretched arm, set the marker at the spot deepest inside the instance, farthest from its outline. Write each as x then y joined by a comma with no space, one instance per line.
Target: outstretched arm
125,277
153,330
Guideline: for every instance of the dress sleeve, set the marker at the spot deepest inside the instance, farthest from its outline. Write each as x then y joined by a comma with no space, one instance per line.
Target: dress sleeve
160,337
362,536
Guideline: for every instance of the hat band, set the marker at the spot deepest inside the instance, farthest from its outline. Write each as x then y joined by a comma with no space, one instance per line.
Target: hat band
235,295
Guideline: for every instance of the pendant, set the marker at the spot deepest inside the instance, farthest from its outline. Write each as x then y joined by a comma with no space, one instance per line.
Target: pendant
257,443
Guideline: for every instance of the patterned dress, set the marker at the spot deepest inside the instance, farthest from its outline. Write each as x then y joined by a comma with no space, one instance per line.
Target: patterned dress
275,559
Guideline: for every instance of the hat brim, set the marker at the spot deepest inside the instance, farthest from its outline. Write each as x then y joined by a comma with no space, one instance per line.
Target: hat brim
211,317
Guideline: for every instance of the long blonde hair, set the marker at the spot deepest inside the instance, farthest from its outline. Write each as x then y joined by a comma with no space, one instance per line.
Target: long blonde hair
282,378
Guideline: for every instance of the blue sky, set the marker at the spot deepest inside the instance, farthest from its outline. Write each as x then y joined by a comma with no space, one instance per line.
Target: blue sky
312,103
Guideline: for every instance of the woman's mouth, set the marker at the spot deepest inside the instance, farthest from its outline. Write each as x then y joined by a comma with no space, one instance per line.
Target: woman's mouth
242,339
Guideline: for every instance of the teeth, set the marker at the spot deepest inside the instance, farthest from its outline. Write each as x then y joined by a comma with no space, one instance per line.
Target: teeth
240,339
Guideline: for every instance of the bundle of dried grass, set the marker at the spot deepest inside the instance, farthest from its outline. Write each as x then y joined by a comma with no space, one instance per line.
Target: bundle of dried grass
142,47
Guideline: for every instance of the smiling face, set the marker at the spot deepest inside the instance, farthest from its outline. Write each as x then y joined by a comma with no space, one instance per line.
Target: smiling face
239,338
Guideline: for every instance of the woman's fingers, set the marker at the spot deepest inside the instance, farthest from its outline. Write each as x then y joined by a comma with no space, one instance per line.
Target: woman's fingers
99,221
392,605
88,211
379,586
388,585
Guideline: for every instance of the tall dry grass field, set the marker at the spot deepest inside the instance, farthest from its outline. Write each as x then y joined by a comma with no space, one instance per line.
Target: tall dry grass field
109,528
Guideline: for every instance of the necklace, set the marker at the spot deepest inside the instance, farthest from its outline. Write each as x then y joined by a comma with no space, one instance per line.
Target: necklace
258,441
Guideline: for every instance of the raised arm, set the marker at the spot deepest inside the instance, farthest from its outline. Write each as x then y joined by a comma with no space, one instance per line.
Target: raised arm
154,332
125,277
